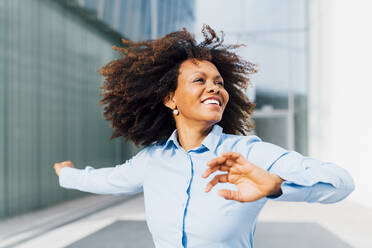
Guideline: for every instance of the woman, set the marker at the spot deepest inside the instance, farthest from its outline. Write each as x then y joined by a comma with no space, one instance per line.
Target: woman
186,104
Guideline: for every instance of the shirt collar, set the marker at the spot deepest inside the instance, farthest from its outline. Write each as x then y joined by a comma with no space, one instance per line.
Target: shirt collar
211,141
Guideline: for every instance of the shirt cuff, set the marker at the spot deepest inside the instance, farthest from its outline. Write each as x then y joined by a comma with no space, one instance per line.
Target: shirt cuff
292,192
313,181
69,177
300,175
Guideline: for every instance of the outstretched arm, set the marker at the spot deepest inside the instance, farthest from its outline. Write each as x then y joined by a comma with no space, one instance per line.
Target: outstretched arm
126,178
267,170
305,178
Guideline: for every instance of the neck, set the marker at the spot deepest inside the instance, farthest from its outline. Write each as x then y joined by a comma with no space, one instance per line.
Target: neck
191,135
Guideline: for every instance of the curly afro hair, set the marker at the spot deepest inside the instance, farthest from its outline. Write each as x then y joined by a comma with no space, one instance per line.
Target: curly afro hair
136,84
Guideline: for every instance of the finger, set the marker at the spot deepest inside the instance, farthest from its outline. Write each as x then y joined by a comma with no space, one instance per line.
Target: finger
232,155
240,160
216,161
209,171
223,157
215,165
226,166
229,194
222,178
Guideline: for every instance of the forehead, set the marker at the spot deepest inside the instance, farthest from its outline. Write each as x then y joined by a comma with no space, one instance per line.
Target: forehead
188,67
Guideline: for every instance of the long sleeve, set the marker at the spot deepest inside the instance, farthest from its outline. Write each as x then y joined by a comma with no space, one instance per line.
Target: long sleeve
306,179
126,178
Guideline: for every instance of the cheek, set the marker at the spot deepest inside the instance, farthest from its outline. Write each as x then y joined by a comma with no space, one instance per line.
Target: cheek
188,99
226,97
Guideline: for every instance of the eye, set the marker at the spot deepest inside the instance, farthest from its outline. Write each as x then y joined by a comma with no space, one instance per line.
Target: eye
220,82
199,79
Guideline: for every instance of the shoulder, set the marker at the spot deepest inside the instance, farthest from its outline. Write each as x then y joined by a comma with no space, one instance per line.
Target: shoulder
266,154
238,143
254,149
145,152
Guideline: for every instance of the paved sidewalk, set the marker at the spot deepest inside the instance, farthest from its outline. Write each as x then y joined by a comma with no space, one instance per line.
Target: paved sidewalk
340,225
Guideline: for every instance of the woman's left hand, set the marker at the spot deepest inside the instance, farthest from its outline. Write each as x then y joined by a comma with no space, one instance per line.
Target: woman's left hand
253,182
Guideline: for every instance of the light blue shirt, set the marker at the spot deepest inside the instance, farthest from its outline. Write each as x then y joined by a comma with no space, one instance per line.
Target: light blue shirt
178,211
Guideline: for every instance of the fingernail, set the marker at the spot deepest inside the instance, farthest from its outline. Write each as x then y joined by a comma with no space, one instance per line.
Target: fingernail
207,188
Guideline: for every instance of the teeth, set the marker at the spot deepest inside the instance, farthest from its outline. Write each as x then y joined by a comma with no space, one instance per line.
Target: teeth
211,101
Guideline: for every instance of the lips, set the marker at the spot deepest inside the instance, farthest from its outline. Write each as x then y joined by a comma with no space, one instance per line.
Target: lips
212,100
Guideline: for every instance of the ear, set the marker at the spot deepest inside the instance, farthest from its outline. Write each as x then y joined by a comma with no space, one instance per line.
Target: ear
170,101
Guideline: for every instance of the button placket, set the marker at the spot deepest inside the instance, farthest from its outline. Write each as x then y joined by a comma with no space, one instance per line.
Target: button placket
190,175
188,180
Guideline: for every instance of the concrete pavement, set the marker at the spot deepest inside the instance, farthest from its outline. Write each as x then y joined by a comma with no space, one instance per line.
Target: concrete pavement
341,225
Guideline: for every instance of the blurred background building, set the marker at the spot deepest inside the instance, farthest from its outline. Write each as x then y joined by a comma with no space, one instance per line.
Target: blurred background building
276,35
49,88
312,88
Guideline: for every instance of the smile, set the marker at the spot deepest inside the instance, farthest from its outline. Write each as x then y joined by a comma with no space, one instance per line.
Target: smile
211,101
212,105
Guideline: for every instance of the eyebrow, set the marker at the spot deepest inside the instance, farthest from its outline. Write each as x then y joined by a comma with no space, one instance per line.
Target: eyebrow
217,76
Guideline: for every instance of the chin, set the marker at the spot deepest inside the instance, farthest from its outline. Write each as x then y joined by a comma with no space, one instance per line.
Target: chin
213,119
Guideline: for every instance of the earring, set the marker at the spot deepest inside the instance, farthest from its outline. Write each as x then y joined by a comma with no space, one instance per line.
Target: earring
175,111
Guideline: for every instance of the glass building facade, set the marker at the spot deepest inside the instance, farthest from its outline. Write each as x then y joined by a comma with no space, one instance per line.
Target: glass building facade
276,37
141,19
49,89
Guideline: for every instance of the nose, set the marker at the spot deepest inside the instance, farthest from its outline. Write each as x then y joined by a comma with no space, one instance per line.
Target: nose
213,88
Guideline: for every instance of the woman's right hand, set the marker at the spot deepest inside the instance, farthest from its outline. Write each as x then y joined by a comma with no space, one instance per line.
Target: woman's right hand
58,166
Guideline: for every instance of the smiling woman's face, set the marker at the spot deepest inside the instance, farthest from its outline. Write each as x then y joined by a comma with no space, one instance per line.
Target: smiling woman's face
200,94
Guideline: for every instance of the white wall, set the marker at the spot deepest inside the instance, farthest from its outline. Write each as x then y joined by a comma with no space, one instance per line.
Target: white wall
340,103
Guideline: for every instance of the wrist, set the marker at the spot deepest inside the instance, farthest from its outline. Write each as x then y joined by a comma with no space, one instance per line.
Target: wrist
277,191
